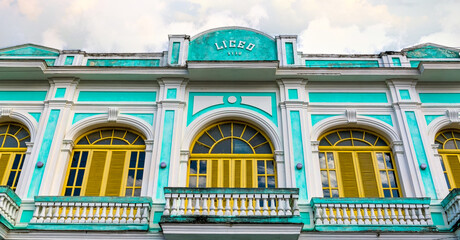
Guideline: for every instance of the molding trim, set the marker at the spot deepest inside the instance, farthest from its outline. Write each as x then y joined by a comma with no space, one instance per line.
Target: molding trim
8,114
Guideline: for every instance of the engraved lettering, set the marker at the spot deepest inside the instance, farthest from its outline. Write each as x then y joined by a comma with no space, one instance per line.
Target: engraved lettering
225,45
250,47
232,43
241,44
217,46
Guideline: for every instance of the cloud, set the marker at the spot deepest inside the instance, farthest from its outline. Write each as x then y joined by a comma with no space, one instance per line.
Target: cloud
30,8
52,39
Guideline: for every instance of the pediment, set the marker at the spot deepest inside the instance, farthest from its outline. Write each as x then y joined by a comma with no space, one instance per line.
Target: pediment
431,50
29,50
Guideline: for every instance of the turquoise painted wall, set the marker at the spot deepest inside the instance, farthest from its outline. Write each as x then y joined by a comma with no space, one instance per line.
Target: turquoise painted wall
29,51
347,97
430,118
414,64
80,116
226,95
247,46
36,116
342,63
44,152
297,148
293,94
60,93
396,61
289,53
175,53
22,95
123,62
106,96
144,116
439,97
404,93
420,153
166,144
69,60
432,52
171,93
384,118
315,118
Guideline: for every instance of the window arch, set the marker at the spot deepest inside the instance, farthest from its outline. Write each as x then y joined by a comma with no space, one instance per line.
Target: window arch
449,149
106,162
357,163
233,155
13,138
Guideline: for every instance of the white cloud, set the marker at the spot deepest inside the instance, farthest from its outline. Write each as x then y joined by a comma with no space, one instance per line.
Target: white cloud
30,8
52,39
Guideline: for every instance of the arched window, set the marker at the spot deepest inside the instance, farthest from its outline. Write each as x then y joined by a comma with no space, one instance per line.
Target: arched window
357,163
232,155
449,149
13,138
106,162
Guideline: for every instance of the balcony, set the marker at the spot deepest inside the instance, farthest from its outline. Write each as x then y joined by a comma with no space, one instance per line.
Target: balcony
91,213
231,213
9,206
364,214
451,205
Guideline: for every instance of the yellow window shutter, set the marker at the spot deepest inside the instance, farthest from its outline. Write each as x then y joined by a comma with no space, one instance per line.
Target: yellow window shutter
238,174
226,173
215,173
96,172
249,174
4,159
115,178
368,177
348,175
454,165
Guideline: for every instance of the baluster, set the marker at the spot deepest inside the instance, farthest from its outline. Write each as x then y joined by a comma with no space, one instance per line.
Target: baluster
76,216
400,214
124,215
287,205
338,214
219,205
63,214
332,216
90,216
175,207
257,202
420,214
295,207
272,204
235,208
167,210
137,217
110,215
386,217
83,214
182,204
414,215
351,207
117,216
366,214
205,205
212,201
145,213
197,210
373,217
250,204
69,216
281,204
345,214
50,212
36,215
429,221
131,213
317,209
104,218
41,217
189,204
359,216
407,214
324,212
265,204
379,214
227,198
243,211
393,214
97,215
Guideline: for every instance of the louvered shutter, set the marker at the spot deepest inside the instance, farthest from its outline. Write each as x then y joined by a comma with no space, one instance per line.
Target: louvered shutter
96,172
226,174
237,174
348,174
215,173
115,177
4,158
368,176
249,174
454,165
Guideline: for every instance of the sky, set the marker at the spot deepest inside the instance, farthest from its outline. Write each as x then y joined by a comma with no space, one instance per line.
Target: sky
322,26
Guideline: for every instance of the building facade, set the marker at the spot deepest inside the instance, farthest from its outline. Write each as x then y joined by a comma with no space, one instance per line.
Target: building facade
230,134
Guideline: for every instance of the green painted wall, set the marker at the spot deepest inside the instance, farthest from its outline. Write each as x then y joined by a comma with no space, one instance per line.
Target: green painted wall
293,94
342,63
80,116
219,46
396,62
430,118
26,216
315,118
347,97
414,64
432,52
384,118
22,95
437,218
44,152
166,145
439,97
69,60
297,148
29,51
175,53
60,93
171,93
404,94
148,117
36,116
289,53
420,153
106,96
123,62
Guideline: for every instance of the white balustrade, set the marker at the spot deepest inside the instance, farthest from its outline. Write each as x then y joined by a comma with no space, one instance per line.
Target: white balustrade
8,208
90,213
342,213
244,203
452,207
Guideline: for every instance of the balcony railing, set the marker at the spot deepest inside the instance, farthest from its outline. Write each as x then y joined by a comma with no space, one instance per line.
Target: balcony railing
372,211
9,206
231,202
92,210
451,205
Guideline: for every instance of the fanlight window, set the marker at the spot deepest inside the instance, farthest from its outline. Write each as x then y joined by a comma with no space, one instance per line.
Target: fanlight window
106,162
232,155
357,163
13,138
449,149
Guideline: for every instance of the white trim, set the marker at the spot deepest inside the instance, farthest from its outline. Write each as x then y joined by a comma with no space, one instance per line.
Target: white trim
25,119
